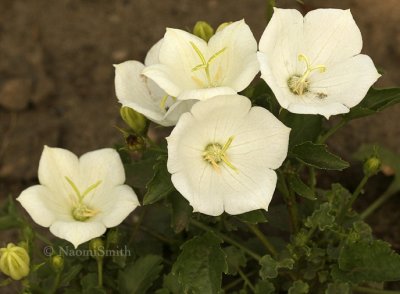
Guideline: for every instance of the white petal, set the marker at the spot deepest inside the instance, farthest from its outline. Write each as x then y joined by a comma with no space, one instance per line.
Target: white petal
331,35
117,205
153,54
55,164
206,93
77,232
282,42
43,206
239,61
133,90
324,109
176,110
103,165
347,82
261,141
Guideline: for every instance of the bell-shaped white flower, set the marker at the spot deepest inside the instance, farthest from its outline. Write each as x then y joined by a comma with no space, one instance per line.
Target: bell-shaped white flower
191,68
312,64
78,198
141,94
222,155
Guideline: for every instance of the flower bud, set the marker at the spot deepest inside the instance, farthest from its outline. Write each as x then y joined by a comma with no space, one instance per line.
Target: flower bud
135,143
57,263
14,261
223,26
96,246
203,30
135,120
372,166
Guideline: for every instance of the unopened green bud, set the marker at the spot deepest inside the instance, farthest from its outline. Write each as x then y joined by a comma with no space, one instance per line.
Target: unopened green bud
113,237
371,166
223,26
96,246
57,263
203,30
14,261
135,120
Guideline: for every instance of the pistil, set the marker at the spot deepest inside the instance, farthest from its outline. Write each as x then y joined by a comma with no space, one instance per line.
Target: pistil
215,154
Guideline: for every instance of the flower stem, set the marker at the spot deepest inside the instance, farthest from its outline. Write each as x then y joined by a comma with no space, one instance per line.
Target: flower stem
246,280
263,239
357,191
56,282
376,204
226,239
332,130
360,289
290,200
100,272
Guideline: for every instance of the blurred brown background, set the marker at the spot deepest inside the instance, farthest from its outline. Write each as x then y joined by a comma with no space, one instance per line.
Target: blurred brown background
56,74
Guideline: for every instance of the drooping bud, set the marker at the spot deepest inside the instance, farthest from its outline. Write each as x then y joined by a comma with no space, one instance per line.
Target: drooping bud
203,30
372,165
57,263
135,120
135,143
14,261
223,26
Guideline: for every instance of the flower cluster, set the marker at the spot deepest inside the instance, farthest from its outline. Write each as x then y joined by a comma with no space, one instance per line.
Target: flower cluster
222,152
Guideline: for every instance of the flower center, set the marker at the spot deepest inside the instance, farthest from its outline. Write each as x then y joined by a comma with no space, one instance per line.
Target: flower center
215,154
205,65
80,211
299,84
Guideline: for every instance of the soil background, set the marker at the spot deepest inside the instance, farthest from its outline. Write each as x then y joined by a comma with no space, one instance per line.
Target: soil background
57,89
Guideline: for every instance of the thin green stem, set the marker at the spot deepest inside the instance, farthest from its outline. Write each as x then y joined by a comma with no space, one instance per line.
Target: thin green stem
290,200
56,282
237,281
313,178
227,239
332,130
376,204
246,280
156,235
259,234
357,191
360,289
100,272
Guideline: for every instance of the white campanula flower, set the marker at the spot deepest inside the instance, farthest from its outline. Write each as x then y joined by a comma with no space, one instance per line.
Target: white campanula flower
222,155
312,63
79,198
136,91
191,68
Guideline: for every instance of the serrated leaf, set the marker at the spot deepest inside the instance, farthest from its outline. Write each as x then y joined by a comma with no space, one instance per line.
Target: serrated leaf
318,156
160,185
139,276
270,266
181,212
321,217
367,261
376,100
253,217
235,259
299,287
264,287
300,188
200,265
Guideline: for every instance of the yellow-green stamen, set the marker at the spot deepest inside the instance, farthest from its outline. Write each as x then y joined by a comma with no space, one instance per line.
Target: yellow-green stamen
215,154
80,211
164,100
299,84
205,64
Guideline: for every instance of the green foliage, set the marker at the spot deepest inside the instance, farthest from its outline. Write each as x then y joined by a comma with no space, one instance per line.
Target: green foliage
299,287
367,261
160,185
235,259
298,186
200,265
253,217
321,217
270,266
139,276
318,156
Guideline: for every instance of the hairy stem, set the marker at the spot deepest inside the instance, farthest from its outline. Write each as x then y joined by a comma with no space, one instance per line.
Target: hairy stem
332,130
257,232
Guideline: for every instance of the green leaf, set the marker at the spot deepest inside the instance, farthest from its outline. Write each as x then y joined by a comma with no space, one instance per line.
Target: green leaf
270,266
376,100
160,185
299,287
264,287
200,265
317,155
262,95
322,217
253,217
235,259
181,212
338,288
300,188
139,276
364,261
305,127
70,274
171,285
139,173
